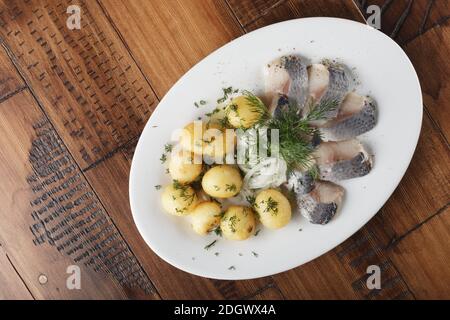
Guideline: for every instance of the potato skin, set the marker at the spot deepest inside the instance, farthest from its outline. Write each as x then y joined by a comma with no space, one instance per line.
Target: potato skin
182,167
273,208
209,139
178,199
238,223
241,114
223,181
205,217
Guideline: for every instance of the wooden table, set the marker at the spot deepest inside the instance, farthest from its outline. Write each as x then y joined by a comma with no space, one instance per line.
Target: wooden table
72,106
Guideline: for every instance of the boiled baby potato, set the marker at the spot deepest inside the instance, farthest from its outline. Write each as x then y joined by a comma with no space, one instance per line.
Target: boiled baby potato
273,208
238,223
179,199
191,138
207,139
244,111
183,168
205,217
223,181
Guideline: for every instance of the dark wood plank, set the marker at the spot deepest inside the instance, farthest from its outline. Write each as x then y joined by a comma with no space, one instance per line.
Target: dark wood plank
51,217
423,257
425,187
270,293
168,38
292,9
86,81
322,278
404,20
434,76
13,288
247,11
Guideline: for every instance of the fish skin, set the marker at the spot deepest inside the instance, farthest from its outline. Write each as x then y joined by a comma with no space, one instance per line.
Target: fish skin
352,125
288,76
315,208
337,89
300,182
298,90
356,167
342,160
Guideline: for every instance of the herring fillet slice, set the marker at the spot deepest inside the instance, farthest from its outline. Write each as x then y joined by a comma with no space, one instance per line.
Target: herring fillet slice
356,115
287,75
321,204
327,84
341,160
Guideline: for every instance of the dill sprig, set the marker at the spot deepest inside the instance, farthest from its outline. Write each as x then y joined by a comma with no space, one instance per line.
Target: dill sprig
295,133
257,106
320,110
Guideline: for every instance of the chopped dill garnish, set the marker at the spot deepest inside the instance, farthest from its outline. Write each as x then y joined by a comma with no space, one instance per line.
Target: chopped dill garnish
226,93
251,200
163,158
255,254
240,254
232,223
187,196
167,170
210,114
208,246
158,187
217,231
196,105
168,147
216,254
216,187
202,102
271,206
230,187
224,122
232,268
257,231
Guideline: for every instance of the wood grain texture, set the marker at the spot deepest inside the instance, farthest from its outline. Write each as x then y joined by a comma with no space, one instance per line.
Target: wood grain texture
169,37
425,188
10,81
322,278
12,286
404,20
247,11
53,219
292,9
270,293
434,74
423,257
86,81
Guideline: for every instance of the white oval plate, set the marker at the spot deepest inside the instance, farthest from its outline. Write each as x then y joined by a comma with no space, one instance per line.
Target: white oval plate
384,72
